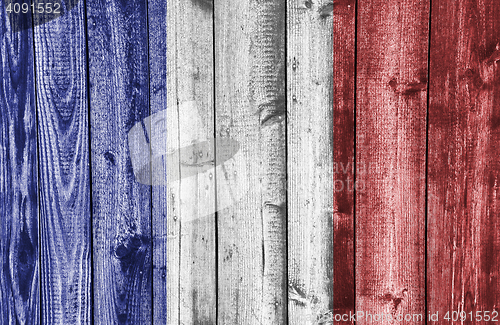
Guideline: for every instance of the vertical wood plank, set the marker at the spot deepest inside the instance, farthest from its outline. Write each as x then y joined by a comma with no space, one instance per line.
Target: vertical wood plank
166,231
19,275
344,19
390,157
251,109
463,186
64,169
181,47
310,161
119,98
196,124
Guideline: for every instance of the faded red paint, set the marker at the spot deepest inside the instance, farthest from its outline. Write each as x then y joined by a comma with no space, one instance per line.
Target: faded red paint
463,209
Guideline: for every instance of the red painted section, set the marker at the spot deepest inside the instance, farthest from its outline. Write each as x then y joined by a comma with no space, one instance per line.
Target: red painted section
391,107
463,207
344,16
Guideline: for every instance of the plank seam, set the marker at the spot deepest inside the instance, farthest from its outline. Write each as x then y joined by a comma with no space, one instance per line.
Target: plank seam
427,155
38,176
216,215
87,61
179,157
151,239
355,95
287,275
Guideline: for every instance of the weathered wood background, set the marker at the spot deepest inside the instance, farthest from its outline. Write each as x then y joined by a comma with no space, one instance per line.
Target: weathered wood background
367,175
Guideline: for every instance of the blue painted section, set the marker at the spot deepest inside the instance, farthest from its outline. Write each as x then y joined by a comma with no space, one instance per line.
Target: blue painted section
157,29
19,271
63,132
119,98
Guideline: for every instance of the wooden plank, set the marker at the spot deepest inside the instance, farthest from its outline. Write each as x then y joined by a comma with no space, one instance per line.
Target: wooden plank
251,189
19,275
119,93
183,209
198,291
310,161
344,19
463,184
166,230
390,157
65,225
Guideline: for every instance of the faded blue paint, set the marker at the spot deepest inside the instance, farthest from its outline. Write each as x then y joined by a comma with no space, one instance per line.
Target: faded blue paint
19,272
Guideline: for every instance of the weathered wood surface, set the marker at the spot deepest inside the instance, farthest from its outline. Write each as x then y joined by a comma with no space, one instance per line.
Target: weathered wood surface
464,171
286,231
195,82
19,255
344,45
63,134
310,161
119,98
181,61
250,107
165,209
391,112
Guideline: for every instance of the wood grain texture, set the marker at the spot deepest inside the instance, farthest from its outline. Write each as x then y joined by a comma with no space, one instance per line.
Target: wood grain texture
166,230
344,16
284,230
181,60
390,158
310,162
463,177
251,109
195,81
63,128
19,275
119,98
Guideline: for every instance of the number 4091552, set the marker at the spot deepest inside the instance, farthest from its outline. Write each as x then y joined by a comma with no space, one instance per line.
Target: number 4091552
485,316
40,8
